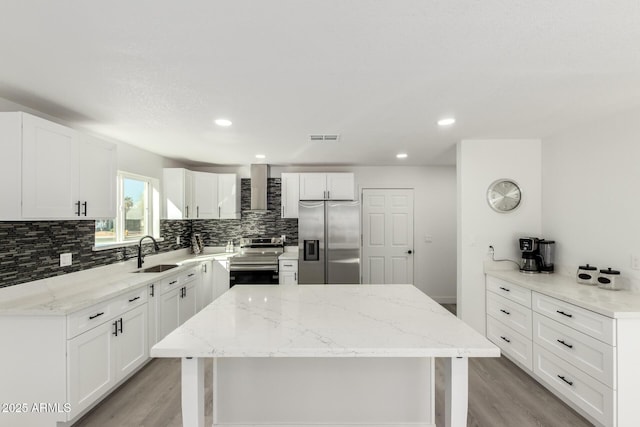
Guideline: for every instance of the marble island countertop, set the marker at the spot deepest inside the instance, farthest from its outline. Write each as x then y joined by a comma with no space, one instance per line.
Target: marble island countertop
71,292
324,321
615,304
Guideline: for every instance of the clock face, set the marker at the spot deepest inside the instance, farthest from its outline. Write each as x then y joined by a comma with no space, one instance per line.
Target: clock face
504,195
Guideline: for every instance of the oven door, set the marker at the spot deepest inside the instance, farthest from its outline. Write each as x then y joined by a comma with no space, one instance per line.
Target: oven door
255,275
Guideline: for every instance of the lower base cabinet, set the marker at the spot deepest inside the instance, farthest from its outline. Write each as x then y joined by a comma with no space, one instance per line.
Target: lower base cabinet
99,358
288,272
220,277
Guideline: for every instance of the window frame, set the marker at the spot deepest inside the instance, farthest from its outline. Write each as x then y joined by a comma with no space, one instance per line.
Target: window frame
151,215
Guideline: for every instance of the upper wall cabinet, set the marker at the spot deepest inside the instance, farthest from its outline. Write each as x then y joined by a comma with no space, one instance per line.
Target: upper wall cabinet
54,171
200,195
228,196
327,186
178,185
290,195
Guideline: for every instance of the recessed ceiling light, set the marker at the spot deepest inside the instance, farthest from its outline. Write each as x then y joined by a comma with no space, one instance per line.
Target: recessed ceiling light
222,122
402,155
260,156
446,122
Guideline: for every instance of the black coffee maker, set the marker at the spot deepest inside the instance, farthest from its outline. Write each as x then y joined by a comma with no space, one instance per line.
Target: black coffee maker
537,255
531,260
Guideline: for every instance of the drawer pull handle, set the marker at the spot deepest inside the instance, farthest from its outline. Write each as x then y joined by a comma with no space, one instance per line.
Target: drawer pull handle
563,313
287,265
153,290
565,380
133,299
173,283
505,312
506,339
96,315
565,344
191,275
505,289
115,328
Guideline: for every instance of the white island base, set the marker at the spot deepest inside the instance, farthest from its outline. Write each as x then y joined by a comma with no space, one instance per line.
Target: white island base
322,391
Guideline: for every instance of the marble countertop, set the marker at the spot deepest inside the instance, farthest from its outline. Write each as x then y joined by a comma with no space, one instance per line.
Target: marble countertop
324,321
289,256
615,304
71,292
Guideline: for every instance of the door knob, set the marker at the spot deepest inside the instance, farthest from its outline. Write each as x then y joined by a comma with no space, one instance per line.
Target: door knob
409,251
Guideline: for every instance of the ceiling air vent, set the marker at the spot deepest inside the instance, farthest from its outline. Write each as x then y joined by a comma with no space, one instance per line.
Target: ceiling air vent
329,137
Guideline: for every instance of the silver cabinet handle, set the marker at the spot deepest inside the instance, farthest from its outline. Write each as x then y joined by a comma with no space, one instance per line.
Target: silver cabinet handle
187,209
219,211
197,211
295,276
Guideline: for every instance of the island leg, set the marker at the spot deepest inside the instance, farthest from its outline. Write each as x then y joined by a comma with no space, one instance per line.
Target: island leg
456,378
192,392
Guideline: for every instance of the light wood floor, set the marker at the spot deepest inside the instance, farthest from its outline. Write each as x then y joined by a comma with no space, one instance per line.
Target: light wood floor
500,394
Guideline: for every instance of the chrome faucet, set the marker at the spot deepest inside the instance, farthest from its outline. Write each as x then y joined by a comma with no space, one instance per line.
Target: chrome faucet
140,256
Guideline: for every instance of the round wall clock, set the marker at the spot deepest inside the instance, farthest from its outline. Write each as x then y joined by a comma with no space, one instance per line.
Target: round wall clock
504,195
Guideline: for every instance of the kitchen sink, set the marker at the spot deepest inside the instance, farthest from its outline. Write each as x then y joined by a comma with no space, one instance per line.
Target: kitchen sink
157,268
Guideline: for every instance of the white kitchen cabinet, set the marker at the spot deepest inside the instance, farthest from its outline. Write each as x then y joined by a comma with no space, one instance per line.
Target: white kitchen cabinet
98,164
100,357
177,301
56,172
288,272
204,290
152,311
290,192
327,186
177,184
228,196
221,281
205,195
90,366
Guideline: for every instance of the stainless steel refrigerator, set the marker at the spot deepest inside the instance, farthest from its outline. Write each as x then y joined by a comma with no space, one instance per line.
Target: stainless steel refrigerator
329,242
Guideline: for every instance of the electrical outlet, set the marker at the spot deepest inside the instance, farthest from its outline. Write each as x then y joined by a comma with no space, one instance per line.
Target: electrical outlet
177,240
635,262
66,259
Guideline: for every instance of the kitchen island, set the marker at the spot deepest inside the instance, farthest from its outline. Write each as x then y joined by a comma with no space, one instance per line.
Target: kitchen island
324,354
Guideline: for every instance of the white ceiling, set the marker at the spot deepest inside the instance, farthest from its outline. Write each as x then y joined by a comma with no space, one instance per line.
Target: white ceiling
155,73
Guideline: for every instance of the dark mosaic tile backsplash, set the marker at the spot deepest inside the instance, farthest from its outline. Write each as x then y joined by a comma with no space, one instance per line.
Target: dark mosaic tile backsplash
30,250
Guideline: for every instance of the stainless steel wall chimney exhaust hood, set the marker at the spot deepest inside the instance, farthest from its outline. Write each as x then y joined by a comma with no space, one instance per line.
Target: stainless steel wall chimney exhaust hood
259,175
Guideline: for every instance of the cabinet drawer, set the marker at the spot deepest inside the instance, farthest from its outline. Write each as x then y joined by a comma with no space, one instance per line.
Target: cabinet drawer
512,314
588,322
88,318
582,351
289,265
509,290
595,398
189,276
510,342
169,283
129,300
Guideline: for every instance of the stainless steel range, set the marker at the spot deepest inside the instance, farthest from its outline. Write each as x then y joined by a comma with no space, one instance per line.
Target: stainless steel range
257,262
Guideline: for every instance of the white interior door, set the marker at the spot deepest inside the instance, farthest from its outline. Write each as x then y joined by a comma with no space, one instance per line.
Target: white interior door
387,236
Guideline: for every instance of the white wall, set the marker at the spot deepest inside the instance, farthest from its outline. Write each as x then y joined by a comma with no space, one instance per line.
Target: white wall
479,163
591,205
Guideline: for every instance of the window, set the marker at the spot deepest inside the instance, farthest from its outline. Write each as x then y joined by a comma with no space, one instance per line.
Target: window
134,212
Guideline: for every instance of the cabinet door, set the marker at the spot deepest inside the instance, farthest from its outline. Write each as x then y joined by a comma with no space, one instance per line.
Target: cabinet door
168,318
11,166
340,186
228,196
313,186
173,185
98,177
288,278
290,194
187,303
130,347
49,169
152,311
90,366
189,194
205,192
204,286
